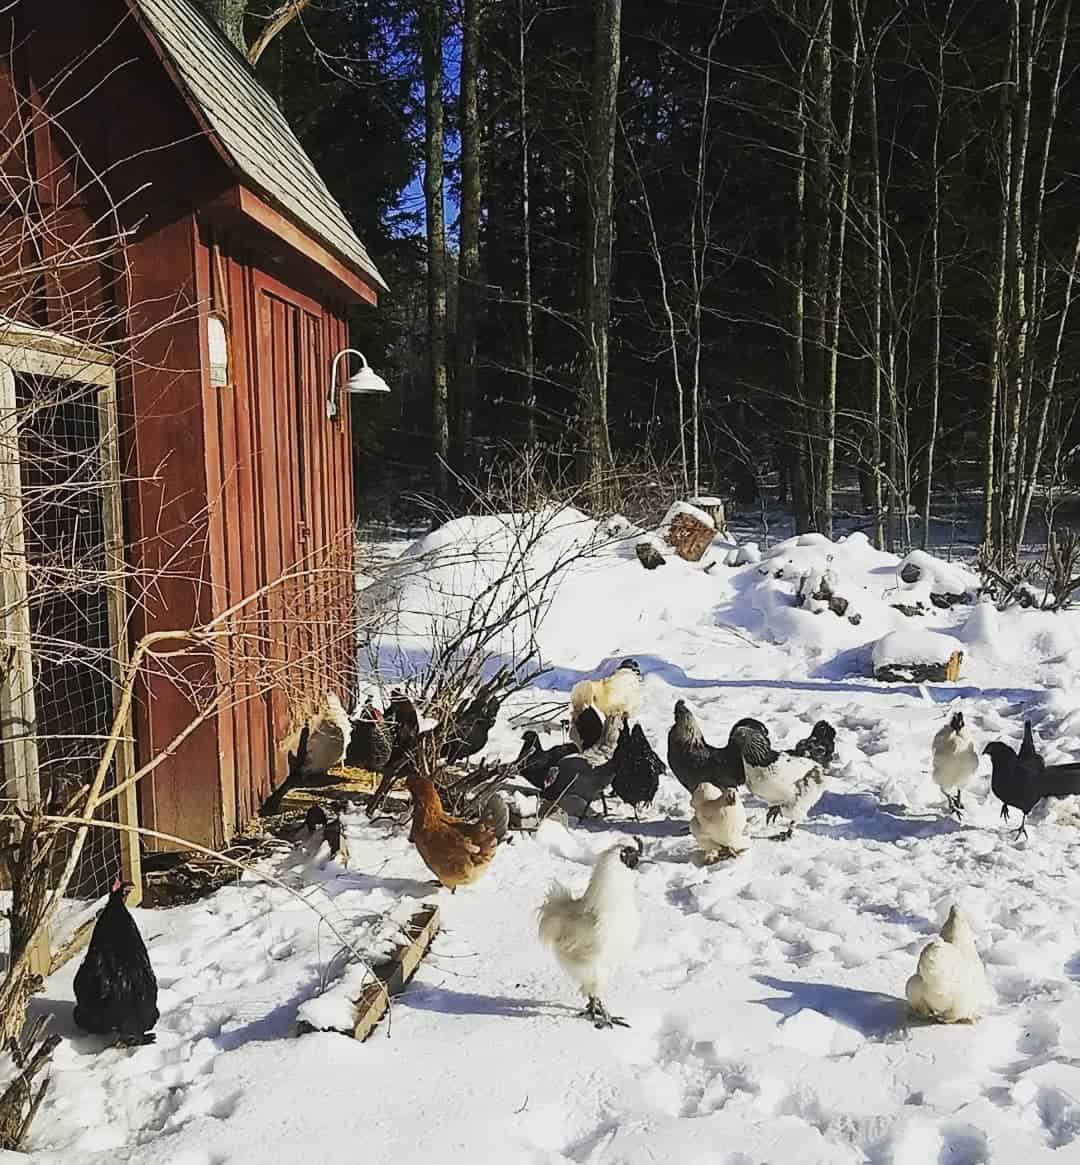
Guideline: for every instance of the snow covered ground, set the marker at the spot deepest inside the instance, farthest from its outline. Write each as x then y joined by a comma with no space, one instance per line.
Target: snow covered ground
765,995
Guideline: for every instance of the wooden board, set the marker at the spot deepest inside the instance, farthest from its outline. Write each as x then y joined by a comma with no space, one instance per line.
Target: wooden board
393,976
345,784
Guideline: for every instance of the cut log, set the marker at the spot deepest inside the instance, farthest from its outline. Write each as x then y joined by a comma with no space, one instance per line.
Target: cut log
917,657
689,536
715,508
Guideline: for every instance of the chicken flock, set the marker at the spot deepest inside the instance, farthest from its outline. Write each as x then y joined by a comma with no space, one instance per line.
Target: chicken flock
591,933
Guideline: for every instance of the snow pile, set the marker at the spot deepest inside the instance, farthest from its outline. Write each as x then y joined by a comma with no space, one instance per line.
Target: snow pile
692,511
903,648
766,994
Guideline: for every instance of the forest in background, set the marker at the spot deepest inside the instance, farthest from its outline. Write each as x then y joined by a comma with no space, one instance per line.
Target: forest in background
825,249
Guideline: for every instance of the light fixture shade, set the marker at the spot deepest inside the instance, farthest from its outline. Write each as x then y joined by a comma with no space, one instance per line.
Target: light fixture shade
366,380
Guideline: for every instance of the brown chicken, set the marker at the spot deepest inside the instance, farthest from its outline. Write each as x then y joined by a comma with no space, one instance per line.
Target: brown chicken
457,852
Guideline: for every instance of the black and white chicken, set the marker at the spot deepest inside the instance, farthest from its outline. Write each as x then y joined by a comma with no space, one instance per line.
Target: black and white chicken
954,761
591,936
790,785
819,746
586,728
115,987
693,759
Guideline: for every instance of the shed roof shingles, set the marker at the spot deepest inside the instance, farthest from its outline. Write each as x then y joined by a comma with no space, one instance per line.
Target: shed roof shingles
249,126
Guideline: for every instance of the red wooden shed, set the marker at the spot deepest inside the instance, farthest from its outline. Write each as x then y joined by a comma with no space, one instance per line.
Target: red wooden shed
136,118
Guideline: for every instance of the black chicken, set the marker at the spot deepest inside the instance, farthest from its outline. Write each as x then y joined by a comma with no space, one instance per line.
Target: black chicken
586,728
297,760
693,759
115,988
534,762
371,741
315,820
1021,780
637,770
819,746
467,732
404,724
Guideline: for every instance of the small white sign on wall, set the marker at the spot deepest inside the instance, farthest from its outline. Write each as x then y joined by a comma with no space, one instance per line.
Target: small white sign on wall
219,351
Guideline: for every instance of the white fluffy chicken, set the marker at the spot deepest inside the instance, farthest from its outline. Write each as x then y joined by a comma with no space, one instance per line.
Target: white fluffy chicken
949,985
719,822
790,785
590,936
954,762
329,737
619,693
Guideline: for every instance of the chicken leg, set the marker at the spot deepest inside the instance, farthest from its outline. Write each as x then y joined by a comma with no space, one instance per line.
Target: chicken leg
600,1016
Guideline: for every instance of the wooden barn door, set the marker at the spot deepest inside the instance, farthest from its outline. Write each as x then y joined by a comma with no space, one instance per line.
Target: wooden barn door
288,398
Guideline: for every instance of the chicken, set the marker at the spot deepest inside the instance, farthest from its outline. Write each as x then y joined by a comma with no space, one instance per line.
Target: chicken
592,935
495,814
819,746
576,781
620,693
637,770
604,749
321,828
467,732
693,760
115,987
534,763
1021,780
371,740
405,725
949,985
586,728
296,760
790,785
455,851
954,761
719,822
329,738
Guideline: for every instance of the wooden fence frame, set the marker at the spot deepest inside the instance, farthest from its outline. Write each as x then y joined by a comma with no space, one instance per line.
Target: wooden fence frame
30,351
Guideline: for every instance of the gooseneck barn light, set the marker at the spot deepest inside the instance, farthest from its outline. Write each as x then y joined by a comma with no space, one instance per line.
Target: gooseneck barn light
367,380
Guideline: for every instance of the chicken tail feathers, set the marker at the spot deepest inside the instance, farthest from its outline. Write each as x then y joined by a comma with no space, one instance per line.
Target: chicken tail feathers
1061,780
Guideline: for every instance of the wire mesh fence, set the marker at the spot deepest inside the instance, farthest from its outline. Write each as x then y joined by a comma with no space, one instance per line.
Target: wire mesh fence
64,616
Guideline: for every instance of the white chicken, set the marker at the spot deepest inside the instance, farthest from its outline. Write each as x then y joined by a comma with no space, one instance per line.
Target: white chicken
590,936
949,985
329,737
719,822
955,761
790,785
620,692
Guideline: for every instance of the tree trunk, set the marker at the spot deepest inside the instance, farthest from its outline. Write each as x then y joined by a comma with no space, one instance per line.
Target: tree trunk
597,256
799,429
529,361
935,275
819,210
700,221
229,17
836,293
876,339
1015,387
469,289
431,36
998,337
